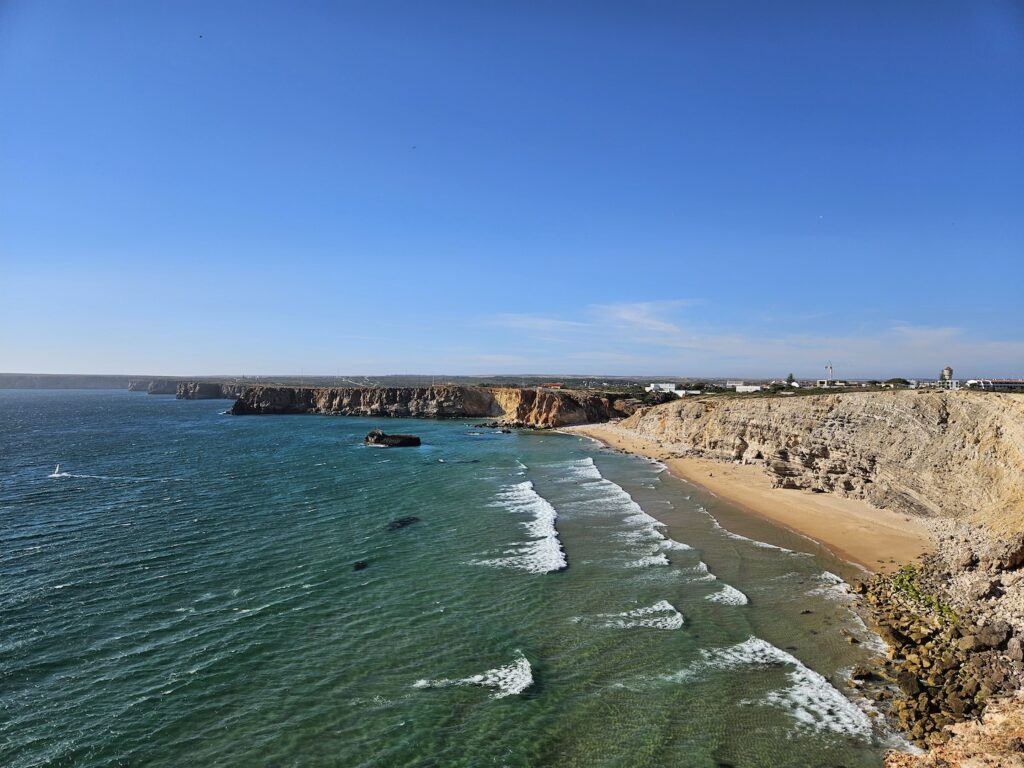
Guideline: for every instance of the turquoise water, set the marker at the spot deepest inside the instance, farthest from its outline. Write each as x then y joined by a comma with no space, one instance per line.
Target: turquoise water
184,594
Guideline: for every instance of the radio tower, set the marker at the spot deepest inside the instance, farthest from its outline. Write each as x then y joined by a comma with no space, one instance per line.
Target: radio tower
828,371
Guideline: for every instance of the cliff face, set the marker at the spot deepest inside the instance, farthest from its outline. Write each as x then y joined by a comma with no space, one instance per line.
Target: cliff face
935,453
162,387
208,390
518,407
560,407
433,402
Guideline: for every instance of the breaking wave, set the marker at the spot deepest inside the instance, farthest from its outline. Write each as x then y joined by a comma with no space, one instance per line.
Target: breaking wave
543,552
508,680
661,615
813,702
728,596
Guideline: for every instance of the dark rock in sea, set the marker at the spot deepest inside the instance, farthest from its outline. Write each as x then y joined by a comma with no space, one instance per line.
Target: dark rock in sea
402,522
359,565
378,438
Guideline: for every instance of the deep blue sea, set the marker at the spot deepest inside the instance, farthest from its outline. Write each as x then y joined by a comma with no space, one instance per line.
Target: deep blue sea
182,593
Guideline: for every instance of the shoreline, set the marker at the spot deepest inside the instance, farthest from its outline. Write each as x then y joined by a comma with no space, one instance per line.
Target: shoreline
875,539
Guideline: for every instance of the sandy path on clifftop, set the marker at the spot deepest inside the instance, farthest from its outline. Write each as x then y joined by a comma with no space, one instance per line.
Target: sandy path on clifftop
853,530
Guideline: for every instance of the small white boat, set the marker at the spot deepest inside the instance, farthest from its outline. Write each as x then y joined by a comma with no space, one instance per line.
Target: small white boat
56,471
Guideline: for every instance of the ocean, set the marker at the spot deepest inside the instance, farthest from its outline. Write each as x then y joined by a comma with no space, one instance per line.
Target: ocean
183,592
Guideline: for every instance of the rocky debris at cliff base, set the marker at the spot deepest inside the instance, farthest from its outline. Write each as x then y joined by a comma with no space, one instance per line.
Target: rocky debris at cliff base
949,655
997,741
378,438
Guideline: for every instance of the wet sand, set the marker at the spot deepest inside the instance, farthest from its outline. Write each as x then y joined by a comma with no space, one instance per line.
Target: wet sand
854,530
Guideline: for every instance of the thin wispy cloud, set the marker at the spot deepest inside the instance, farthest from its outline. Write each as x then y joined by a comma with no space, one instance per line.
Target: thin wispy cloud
663,336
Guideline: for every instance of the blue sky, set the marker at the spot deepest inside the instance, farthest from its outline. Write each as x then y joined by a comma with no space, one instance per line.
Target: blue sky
674,188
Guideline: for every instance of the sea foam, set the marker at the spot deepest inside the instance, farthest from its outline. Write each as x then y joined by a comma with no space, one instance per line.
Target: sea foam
661,615
542,553
508,680
642,529
813,702
728,596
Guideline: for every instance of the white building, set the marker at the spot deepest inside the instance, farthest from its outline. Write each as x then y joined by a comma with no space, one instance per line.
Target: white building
748,388
667,386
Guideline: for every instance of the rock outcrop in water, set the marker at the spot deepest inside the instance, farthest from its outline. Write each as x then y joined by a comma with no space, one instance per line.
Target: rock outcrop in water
377,438
537,408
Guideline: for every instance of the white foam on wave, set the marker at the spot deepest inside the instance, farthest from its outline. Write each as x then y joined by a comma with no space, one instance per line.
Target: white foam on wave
541,554
809,698
704,573
755,542
643,529
508,680
832,587
648,560
661,615
581,469
728,596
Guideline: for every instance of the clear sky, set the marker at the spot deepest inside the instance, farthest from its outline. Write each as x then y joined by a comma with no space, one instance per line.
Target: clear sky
646,187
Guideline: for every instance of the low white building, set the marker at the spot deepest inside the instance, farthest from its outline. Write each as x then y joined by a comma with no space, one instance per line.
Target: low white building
667,386
746,388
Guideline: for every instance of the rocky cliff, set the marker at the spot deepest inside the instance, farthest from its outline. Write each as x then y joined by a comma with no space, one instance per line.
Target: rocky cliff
931,453
539,408
954,622
208,390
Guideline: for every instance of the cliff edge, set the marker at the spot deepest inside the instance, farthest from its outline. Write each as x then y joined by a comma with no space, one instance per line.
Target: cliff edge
528,407
955,454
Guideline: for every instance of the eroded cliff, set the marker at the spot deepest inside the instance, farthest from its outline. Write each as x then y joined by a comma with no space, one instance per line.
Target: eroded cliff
933,453
538,408
208,390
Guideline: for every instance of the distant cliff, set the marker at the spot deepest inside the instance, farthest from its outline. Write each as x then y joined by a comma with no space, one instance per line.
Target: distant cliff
208,390
154,386
540,408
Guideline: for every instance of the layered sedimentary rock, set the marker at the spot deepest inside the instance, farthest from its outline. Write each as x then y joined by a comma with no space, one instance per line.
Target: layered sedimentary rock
540,408
560,407
208,390
955,621
934,453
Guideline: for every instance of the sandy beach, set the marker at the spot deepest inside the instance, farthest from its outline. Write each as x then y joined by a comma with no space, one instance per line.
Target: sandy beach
854,530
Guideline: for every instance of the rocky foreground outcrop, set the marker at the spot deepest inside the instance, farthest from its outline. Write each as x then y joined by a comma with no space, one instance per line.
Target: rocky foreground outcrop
926,453
528,407
996,741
